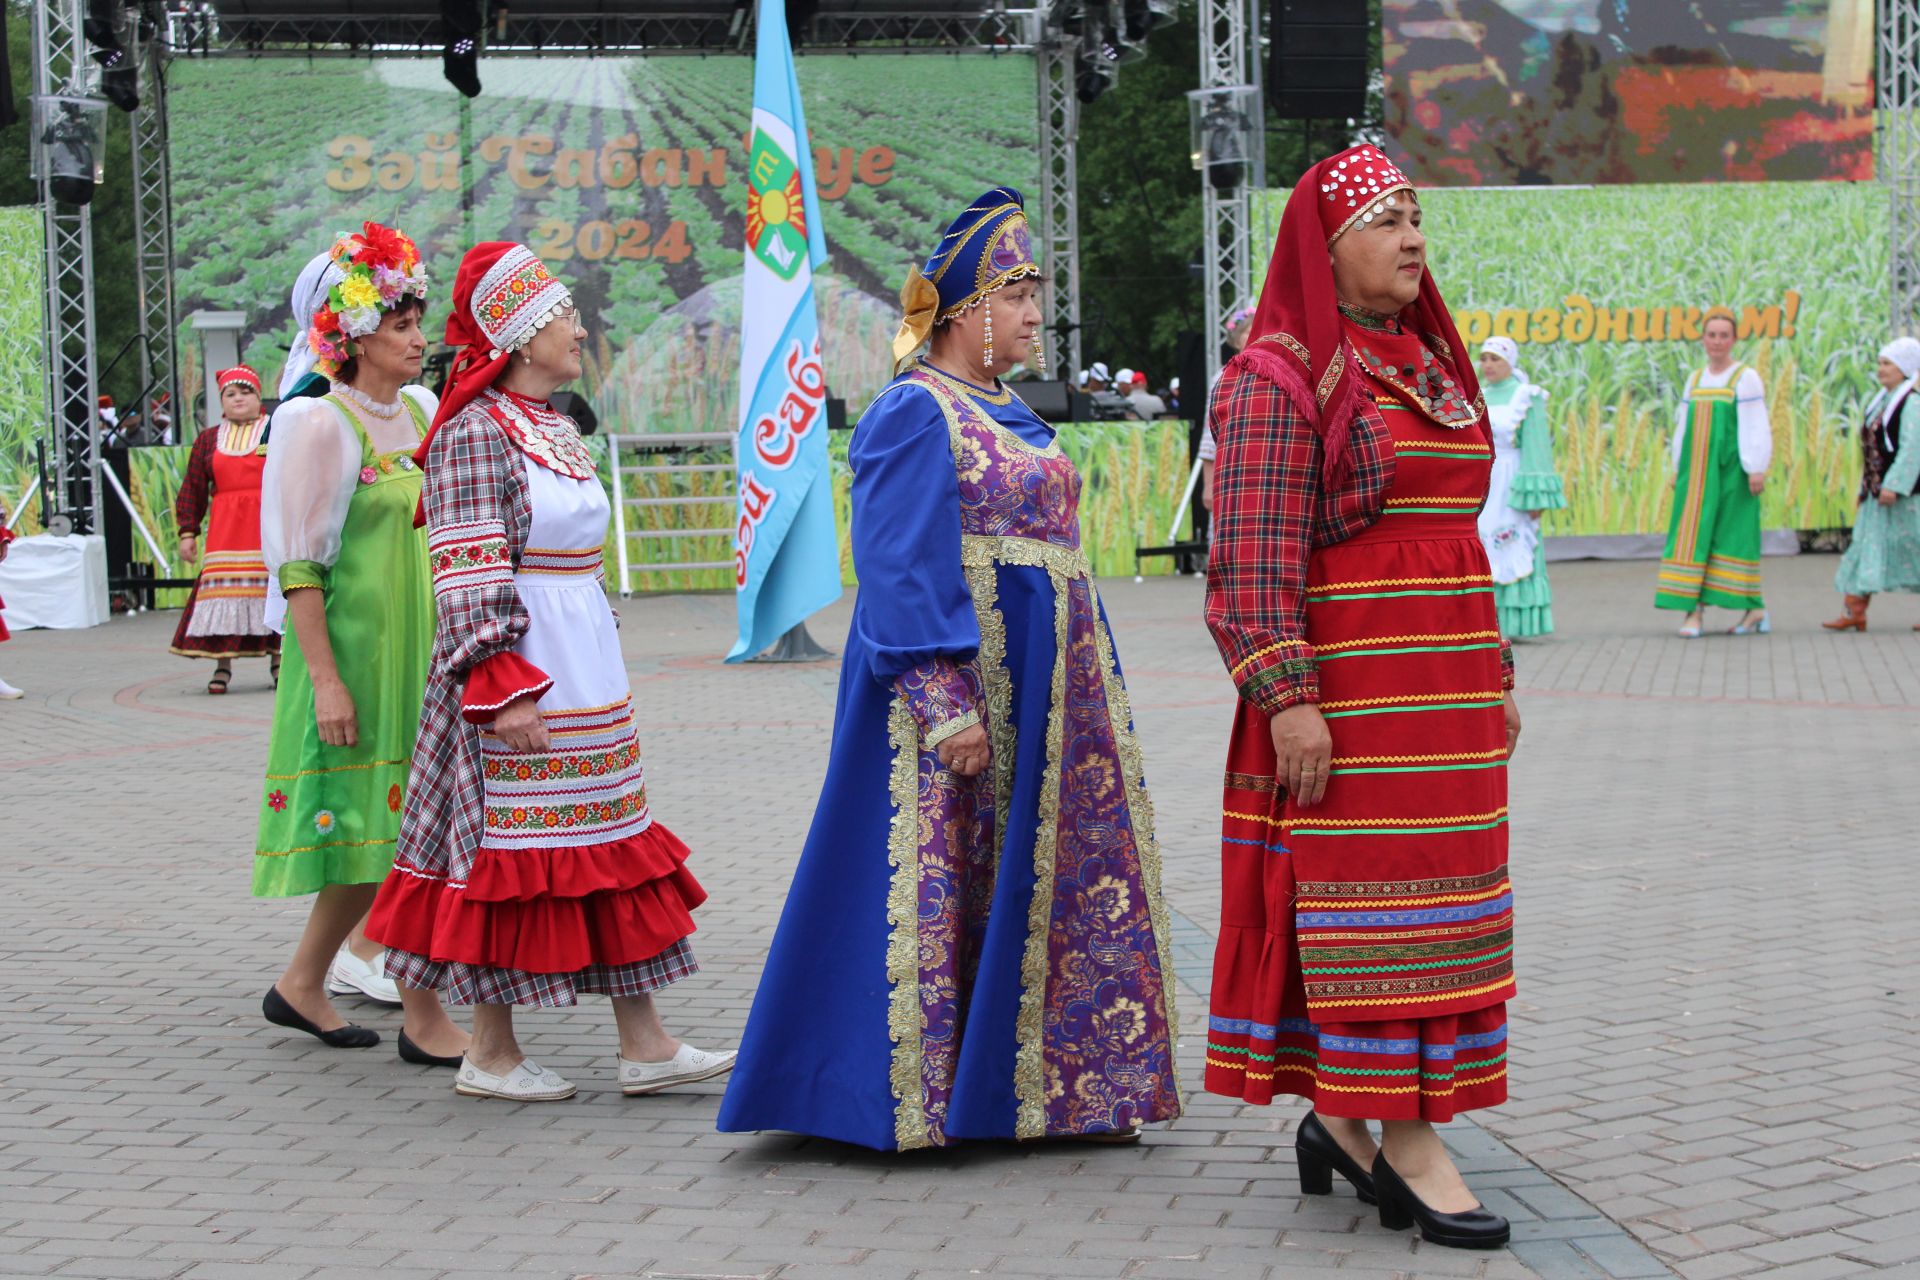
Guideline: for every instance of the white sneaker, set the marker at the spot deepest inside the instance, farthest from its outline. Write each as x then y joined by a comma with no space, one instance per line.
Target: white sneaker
350,975
8,693
685,1067
528,1082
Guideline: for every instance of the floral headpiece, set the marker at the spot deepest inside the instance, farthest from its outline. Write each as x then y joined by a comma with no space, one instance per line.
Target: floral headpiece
372,271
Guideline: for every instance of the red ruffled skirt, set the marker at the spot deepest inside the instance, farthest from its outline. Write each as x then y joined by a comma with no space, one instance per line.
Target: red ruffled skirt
538,926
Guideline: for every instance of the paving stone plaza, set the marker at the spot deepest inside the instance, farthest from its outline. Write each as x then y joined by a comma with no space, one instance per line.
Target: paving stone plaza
1716,1054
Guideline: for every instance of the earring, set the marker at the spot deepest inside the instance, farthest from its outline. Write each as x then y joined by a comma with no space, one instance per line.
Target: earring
987,303
1039,357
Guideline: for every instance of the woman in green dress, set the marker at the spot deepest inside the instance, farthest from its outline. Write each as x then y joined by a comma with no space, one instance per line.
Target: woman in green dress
1523,485
338,536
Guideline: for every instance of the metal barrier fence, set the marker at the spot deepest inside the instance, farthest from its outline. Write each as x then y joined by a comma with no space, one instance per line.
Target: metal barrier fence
664,456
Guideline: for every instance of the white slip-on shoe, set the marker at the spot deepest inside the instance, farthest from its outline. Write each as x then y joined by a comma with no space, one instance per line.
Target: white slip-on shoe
527,1082
685,1067
9,693
350,975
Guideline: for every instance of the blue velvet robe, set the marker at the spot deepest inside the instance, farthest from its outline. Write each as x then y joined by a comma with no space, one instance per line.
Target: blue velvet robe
1011,1030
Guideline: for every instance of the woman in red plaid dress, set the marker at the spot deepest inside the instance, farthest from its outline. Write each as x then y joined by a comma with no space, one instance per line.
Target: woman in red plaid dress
529,869
1366,943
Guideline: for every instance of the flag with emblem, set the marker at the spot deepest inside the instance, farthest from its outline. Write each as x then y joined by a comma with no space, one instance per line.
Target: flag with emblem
786,551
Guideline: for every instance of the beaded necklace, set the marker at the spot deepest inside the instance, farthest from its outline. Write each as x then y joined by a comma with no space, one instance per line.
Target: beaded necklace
542,432
375,408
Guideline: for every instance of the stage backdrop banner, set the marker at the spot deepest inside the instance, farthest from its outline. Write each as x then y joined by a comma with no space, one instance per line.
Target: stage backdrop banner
1537,92
1603,289
627,175
23,408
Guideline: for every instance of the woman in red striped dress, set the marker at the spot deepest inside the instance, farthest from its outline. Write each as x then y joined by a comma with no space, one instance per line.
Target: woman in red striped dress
1366,945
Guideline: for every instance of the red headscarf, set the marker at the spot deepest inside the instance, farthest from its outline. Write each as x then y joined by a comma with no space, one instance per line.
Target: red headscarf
517,294
1298,338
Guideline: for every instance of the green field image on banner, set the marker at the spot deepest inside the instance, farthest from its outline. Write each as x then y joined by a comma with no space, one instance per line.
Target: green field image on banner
629,176
1603,290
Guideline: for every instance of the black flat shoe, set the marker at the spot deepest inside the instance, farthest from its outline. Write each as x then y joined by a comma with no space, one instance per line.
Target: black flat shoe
1320,1155
411,1052
1400,1208
281,1014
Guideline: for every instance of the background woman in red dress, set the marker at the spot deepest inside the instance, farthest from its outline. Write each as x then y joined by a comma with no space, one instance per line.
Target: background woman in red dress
7,692
1366,943
225,617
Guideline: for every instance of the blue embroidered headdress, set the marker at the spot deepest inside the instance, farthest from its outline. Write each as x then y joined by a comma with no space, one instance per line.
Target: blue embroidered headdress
985,248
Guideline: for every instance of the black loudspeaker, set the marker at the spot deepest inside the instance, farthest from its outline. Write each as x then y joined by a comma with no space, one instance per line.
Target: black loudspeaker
1318,66
1053,401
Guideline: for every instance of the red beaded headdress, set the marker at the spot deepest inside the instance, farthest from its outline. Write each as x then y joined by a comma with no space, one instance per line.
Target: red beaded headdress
240,374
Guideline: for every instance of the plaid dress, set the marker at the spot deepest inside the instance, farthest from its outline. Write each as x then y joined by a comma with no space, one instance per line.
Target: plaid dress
1365,953
527,877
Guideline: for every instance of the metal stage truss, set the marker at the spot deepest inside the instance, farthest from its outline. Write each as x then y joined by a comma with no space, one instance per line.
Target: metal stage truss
153,244
1898,78
1057,209
1229,56
61,65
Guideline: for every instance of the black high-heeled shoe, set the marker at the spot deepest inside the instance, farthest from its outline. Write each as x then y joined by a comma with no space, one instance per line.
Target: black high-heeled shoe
1400,1208
1319,1155
277,1011
411,1052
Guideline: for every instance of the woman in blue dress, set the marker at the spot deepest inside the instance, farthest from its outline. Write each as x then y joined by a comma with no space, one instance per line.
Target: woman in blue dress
974,946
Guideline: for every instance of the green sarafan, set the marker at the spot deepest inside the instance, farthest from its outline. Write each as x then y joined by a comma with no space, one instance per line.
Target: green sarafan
626,174
1657,248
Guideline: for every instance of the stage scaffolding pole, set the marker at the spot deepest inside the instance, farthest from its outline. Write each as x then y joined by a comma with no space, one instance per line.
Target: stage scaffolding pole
1059,211
1899,155
61,65
1228,43
153,244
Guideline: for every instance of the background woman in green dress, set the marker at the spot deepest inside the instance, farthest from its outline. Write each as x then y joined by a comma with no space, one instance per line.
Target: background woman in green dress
338,535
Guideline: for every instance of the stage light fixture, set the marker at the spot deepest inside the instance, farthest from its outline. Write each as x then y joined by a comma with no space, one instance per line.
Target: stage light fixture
461,22
1093,75
104,26
1143,16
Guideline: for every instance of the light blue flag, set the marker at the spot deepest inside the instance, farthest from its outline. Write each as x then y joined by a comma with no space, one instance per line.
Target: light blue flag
786,554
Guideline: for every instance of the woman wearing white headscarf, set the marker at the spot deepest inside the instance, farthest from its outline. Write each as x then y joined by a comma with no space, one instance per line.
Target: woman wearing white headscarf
1524,484
1885,552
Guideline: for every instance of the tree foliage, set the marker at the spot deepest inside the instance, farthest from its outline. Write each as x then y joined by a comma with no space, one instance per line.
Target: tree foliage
1140,200
115,289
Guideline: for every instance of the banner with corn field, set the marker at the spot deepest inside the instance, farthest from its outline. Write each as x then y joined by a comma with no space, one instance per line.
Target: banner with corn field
1603,289
23,409
627,175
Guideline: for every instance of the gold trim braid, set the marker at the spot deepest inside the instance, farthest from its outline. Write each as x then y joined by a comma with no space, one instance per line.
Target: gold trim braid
983,551
1029,1062
1133,770
1002,736
903,940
